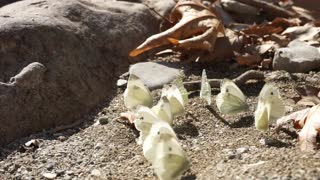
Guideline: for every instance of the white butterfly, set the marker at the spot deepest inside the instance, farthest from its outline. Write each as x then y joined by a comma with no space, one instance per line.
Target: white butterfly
171,161
177,96
136,93
163,110
270,107
205,91
162,149
159,131
144,120
231,100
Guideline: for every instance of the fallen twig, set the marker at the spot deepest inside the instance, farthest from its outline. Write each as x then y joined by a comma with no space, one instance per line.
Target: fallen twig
215,83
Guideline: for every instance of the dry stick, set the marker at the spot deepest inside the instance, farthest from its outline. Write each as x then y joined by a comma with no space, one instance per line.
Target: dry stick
270,8
215,83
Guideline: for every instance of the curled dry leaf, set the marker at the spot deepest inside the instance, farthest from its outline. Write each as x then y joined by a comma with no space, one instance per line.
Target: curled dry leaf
276,26
130,116
308,95
307,119
196,28
297,118
309,132
248,59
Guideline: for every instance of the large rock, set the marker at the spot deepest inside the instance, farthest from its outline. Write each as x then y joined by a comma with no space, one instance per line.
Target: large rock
59,59
5,2
297,57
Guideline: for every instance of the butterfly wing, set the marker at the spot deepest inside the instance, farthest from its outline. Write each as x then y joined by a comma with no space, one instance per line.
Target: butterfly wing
261,116
163,110
171,161
144,121
137,93
183,92
270,95
175,99
160,131
205,91
277,110
230,100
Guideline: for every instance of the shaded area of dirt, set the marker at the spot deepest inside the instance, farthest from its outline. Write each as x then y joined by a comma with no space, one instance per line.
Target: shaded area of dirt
218,146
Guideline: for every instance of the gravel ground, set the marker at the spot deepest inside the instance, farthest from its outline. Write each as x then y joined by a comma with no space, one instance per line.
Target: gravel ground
219,147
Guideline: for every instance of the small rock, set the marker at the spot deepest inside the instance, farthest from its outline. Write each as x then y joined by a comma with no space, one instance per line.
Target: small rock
154,75
49,175
121,82
242,150
60,172
69,172
96,173
98,146
67,177
103,120
33,142
49,166
62,138
266,141
297,57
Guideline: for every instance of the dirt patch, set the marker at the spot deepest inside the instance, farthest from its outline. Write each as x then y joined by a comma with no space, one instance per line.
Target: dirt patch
225,147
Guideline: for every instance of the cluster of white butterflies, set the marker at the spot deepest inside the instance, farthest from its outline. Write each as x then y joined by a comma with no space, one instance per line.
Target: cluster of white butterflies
159,141
231,100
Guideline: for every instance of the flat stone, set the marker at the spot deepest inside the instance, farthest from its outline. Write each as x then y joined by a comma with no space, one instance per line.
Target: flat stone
297,57
49,175
96,173
155,75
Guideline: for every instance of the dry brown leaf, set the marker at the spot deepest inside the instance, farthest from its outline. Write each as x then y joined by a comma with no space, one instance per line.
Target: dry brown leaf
276,26
308,95
309,132
307,119
297,118
196,28
130,116
248,59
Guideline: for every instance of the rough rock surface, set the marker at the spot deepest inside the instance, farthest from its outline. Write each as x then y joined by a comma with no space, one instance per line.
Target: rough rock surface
297,57
154,75
5,2
59,59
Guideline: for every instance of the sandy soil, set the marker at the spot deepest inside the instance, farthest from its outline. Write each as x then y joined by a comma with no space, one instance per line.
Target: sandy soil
219,147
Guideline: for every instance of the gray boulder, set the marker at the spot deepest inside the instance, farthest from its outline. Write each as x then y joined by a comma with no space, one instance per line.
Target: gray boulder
60,59
297,57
